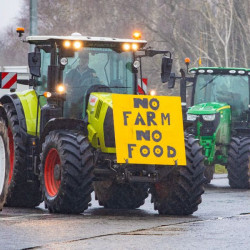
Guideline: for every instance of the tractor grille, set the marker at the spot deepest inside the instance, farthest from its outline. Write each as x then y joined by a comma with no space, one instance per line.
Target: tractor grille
98,109
208,128
108,127
192,130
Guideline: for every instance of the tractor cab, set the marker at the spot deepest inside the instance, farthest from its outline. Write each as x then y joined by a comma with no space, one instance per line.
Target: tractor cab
223,85
68,68
72,67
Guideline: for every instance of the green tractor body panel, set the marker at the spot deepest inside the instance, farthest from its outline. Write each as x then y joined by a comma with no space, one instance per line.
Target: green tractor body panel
100,119
213,122
29,101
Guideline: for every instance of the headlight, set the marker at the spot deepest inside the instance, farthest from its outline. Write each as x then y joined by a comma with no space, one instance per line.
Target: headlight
152,92
191,117
208,117
60,88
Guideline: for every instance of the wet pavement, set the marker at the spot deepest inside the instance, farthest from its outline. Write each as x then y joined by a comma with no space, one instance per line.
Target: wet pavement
221,222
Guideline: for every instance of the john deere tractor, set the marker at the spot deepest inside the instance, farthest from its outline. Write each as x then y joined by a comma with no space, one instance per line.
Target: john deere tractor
220,119
67,138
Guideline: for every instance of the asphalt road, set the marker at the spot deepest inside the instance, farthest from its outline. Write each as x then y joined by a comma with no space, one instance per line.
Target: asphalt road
221,222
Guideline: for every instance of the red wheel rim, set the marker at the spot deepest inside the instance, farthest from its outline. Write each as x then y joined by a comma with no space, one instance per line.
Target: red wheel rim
12,153
51,184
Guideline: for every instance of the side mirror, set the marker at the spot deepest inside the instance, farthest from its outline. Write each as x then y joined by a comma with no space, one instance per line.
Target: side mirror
166,66
171,82
34,61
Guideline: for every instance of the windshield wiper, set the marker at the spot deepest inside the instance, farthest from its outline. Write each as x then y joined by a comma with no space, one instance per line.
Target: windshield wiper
211,80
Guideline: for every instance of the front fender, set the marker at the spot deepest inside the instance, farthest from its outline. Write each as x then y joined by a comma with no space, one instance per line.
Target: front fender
63,124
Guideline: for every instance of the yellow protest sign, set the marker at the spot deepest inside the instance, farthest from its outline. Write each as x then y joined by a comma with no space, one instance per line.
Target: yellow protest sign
148,129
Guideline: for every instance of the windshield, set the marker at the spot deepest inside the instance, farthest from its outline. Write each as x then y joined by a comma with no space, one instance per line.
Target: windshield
93,69
230,89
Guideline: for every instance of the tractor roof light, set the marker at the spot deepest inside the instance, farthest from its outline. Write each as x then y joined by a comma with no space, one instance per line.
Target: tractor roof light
241,72
232,71
187,60
201,71
20,31
135,46
77,45
137,35
210,71
66,44
126,46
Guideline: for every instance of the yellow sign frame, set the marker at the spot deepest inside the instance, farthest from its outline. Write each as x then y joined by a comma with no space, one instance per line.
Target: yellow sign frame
149,129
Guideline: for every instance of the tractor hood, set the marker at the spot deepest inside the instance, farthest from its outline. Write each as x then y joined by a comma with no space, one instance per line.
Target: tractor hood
207,108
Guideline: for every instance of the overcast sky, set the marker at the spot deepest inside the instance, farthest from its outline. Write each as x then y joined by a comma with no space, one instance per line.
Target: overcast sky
9,9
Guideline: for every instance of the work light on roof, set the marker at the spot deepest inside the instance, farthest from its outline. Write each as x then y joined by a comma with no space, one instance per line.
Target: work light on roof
126,46
241,72
77,45
67,44
201,71
137,35
210,71
134,46
232,71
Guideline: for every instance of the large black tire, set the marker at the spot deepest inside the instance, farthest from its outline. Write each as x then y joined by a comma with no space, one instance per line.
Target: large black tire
4,162
66,172
209,173
111,194
21,193
238,165
179,192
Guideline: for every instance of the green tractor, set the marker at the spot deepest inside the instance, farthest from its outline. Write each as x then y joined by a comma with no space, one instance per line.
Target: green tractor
63,141
219,117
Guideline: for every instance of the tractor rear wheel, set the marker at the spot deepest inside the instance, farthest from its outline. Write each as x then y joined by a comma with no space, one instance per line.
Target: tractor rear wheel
111,194
209,173
66,172
21,192
4,162
179,191
238,165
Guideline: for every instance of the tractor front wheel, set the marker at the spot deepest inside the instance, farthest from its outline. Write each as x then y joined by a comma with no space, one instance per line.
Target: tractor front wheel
238,165
180,188
4,162
66,172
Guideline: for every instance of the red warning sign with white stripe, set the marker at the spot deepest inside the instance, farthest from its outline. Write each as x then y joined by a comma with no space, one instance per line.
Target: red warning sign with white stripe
8,80
142,86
